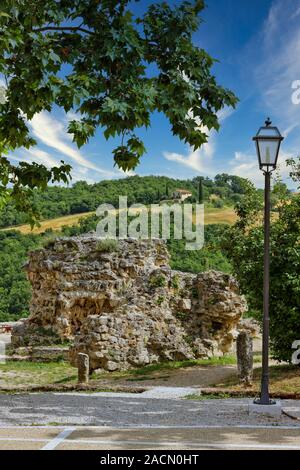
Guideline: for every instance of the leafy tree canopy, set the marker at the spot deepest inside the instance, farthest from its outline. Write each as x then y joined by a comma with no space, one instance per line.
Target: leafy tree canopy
244,245
95,58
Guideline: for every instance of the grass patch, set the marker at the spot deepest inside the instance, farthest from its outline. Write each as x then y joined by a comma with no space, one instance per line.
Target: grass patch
181,315
175,282
207,396
107,246
36,373
157,281
63,344
27,373
160,300
174,365
147,377
283,379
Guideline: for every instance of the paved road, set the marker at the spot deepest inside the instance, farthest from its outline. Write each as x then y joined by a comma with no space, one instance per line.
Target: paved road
130,421
111,438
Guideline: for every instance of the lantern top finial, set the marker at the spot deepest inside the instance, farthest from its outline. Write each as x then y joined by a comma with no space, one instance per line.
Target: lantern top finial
268,122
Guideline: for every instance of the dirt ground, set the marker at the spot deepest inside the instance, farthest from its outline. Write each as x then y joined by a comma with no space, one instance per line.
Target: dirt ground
197,376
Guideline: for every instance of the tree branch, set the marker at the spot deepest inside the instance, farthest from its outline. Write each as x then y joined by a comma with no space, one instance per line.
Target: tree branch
62,28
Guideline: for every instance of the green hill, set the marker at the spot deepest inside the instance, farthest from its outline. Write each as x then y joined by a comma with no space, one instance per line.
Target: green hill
80,198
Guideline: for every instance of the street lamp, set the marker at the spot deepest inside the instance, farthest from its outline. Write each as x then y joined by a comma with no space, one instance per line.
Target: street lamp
268,140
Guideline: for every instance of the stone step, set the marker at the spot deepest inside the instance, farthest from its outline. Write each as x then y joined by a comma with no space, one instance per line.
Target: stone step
38,354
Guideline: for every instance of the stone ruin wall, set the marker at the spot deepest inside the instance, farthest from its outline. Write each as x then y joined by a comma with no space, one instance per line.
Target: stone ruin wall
126,307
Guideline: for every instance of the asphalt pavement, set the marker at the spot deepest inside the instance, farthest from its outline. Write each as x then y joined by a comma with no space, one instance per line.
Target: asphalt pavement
117,409
57,421
155,438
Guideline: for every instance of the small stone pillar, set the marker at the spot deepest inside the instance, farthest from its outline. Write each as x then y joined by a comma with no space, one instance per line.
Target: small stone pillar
83,365
244,352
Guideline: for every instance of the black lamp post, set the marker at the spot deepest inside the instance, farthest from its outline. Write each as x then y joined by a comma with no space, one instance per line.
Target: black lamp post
268,140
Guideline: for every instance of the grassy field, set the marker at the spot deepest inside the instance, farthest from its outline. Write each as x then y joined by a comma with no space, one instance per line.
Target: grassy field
55,224
211,216
220,216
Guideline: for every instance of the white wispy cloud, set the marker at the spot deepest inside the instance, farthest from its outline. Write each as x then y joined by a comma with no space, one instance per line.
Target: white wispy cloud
201,160
126,173
279,63
43,157
295,13
274,67
72,116
53,133
246,166
198,160
34,154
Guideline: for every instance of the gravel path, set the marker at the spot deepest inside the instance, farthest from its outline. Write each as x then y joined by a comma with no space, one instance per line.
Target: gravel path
49,408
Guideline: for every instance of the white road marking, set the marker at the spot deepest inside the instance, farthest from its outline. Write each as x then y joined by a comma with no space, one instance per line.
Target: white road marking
58,439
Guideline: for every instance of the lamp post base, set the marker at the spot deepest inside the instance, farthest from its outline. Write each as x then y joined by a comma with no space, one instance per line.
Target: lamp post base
259,401
273,409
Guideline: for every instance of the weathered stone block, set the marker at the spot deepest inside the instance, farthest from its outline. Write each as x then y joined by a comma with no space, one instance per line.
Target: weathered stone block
185,304
244,350
83,368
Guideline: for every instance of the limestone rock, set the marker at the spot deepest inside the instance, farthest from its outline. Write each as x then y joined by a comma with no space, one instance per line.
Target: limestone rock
250,325
83,368
127,308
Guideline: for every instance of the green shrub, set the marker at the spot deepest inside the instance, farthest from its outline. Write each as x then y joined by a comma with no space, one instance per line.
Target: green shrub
218,204
181,315
107,246
160,300
175,282
157,281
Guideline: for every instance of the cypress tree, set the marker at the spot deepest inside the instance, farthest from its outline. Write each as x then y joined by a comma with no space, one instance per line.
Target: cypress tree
200,191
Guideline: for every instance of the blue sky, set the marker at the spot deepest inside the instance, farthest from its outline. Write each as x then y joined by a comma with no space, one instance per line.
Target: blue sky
258,45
